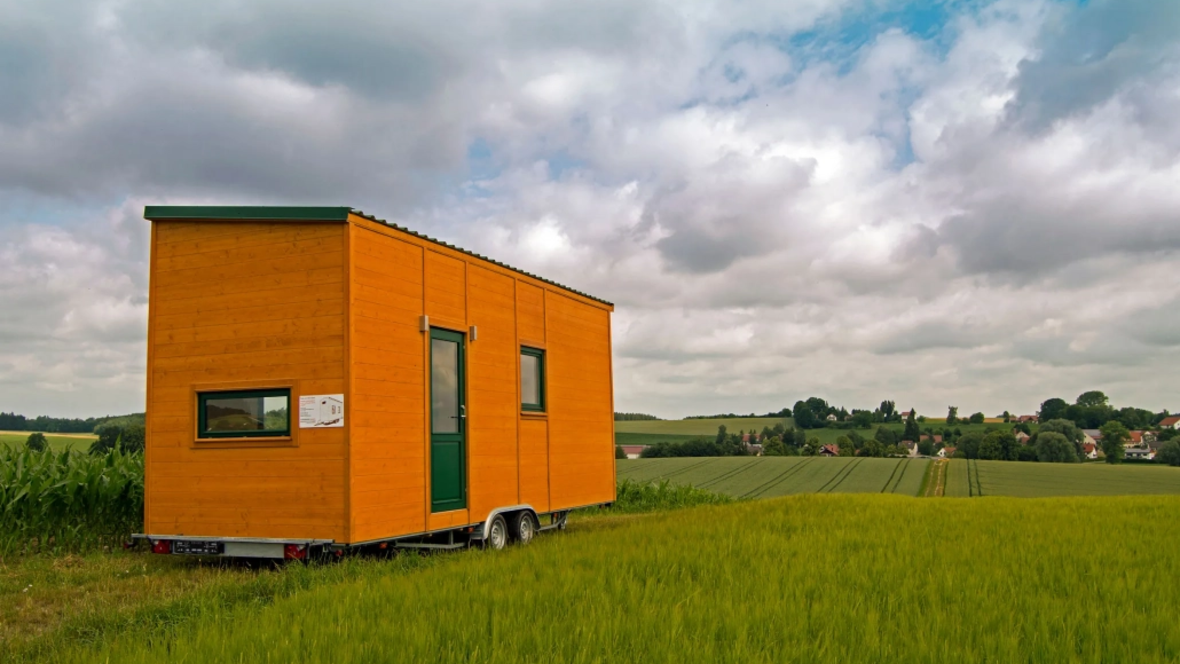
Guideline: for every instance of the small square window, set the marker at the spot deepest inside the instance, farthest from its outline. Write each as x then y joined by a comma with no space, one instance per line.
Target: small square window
532,379
244,414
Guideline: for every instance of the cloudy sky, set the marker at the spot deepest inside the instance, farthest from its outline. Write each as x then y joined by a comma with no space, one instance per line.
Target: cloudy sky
968,203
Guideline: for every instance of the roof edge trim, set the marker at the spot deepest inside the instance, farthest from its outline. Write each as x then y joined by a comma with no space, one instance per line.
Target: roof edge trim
245,213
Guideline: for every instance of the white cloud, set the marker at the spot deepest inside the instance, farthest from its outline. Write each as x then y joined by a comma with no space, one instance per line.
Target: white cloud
914,220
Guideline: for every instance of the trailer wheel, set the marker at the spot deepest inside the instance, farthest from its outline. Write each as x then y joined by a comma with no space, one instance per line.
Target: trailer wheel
497,534
523,526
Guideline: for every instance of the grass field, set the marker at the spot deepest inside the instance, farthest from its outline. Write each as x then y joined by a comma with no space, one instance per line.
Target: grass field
650,438
1037,480
57,441
811,578
768,477
698,428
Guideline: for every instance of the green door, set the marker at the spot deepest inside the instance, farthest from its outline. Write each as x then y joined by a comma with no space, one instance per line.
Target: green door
448,422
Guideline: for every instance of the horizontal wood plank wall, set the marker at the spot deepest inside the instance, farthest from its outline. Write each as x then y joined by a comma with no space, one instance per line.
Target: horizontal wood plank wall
389,407
509,456
243,303
581,449
492,410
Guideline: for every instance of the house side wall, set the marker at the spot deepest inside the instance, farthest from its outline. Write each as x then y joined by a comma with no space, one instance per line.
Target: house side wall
581,421
508,454
245,305
389,448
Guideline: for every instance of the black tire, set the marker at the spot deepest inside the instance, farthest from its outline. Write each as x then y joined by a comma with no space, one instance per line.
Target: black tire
523,526
497,535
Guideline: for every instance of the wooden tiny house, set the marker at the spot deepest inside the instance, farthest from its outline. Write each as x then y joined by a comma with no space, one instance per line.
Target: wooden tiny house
319,376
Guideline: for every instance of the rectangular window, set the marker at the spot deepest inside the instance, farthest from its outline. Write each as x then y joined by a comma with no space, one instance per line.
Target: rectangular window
244,414
532,379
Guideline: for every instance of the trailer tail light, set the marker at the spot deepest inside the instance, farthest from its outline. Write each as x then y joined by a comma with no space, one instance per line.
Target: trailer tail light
161,546
295,552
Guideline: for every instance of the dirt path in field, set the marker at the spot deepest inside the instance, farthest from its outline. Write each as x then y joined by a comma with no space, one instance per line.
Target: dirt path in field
936,488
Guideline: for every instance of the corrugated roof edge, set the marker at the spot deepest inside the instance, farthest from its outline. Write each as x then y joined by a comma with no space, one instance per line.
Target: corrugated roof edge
361,213
281,213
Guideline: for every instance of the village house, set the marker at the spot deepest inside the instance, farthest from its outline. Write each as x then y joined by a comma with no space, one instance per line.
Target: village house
1027,419
946,453
633,451
1170,423
1091,450
1139,453
830,451
1022,437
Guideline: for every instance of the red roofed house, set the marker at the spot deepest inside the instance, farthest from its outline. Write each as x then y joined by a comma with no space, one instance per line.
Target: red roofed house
633,451
1091,450
1136,437
946,453
830,451
1027,419
1171,423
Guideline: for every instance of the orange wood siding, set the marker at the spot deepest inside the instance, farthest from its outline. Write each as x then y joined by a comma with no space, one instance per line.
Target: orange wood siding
530,314
245,304
389,403
493,405
581,446
534,463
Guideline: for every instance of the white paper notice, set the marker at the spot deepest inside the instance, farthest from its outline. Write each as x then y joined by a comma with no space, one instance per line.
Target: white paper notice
319,411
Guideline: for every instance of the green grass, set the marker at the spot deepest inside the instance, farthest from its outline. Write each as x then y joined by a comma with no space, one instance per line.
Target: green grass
698,428
768,477
1036,480
801,579
57,442
651,438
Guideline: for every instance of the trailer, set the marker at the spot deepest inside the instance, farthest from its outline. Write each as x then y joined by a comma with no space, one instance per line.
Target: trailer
320,380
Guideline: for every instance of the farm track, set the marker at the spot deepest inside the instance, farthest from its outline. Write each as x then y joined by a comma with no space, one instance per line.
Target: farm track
725,476
767,486
900,464
840,476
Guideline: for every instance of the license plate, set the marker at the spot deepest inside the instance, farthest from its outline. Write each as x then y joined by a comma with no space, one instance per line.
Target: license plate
198,548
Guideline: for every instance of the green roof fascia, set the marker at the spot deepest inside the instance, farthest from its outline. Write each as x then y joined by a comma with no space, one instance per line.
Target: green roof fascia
245,213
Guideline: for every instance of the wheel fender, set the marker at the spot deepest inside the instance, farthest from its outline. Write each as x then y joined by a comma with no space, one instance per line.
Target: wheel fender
486,526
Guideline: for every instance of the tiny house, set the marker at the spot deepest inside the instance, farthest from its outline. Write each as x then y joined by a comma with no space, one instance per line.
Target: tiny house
320,379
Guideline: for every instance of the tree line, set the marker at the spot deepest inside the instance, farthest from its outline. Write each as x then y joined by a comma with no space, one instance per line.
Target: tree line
15,422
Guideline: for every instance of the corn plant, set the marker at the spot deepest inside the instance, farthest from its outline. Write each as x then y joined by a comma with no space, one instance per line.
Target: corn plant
51,501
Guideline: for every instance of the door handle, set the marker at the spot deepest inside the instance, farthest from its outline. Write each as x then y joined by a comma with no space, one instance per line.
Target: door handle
462,414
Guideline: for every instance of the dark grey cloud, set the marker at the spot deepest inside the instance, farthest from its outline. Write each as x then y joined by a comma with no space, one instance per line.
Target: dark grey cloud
1093,52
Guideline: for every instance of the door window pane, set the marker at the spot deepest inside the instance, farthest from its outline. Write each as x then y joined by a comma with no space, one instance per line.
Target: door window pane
444,386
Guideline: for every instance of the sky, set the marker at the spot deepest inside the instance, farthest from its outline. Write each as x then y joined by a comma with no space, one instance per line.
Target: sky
944,203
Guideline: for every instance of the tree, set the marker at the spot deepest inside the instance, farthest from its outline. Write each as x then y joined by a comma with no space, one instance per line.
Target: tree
872,448
108,438
1091,399
721,435
804,418
969,444
36,442
1053,447
1114,437
885,436
952,415
1169,453
774,447
911,428
846,446
926,448
1052,409
976,418
1005,441
131,439
863,419
990,449
887,410
800,438
1007,417
619,453
818,407
1068,429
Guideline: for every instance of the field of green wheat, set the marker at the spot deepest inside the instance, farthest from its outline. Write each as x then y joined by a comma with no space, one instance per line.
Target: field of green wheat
1038,480
768,477
809,578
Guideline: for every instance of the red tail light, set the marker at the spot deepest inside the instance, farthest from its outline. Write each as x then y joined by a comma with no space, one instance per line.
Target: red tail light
295,552
161,546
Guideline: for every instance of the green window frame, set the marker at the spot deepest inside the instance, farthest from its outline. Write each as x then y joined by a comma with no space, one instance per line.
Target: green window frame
525,404
203,399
